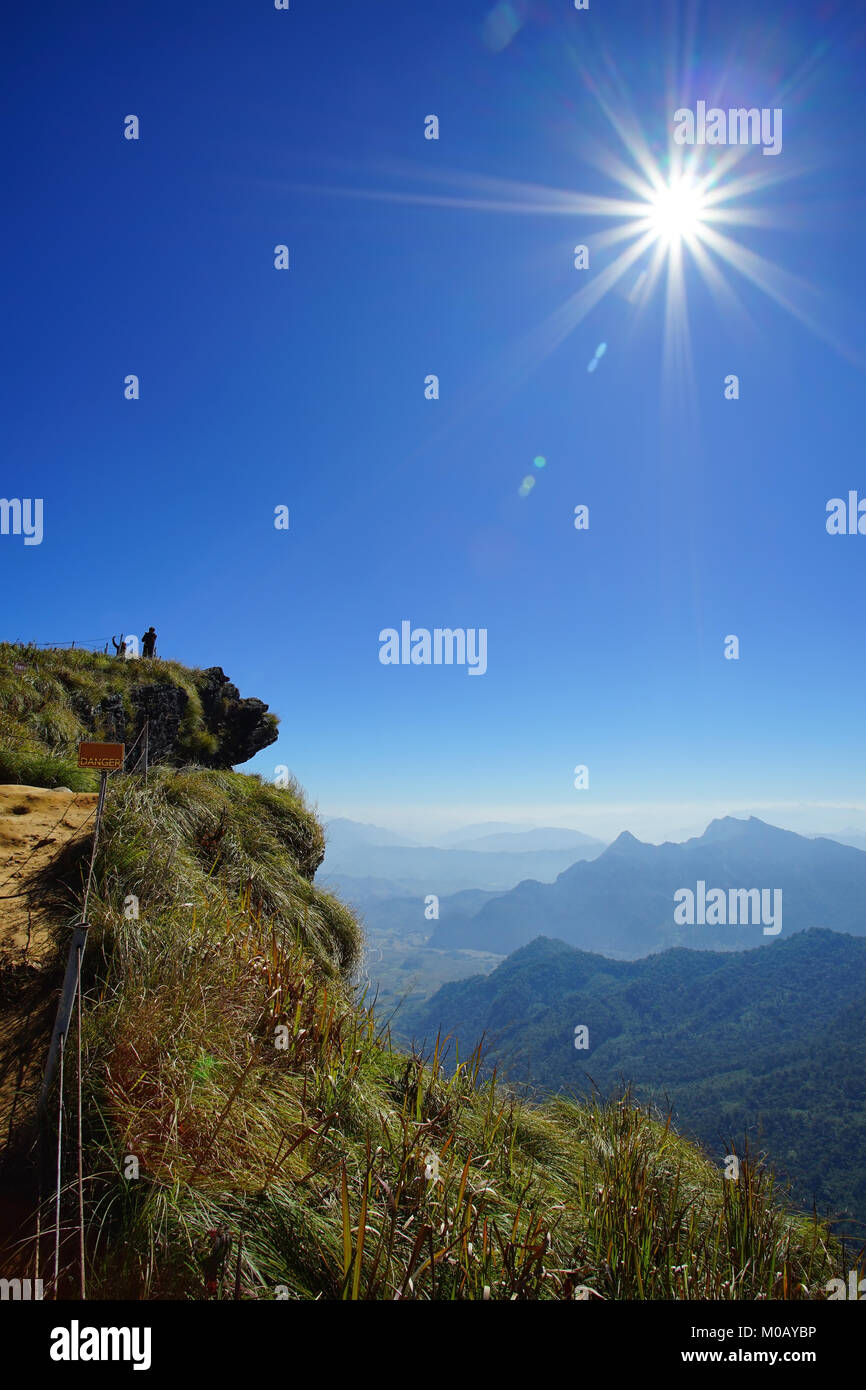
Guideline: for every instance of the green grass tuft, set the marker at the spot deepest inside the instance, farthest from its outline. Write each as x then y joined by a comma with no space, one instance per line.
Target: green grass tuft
249,1129
228,1054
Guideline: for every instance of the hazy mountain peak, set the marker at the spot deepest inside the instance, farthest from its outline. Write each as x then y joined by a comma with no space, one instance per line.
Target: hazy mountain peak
749,829
487,827
545,837
724,827
625,841
361,833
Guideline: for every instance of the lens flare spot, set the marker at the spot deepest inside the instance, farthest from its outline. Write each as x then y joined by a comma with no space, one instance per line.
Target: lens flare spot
503,22
539,460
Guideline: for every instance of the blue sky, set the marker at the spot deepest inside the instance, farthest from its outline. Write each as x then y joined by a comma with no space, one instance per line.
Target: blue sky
306,388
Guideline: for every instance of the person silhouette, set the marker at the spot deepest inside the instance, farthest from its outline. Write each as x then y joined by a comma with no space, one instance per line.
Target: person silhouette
148,643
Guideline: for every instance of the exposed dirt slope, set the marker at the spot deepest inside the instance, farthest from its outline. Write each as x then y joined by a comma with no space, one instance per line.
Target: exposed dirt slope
35,825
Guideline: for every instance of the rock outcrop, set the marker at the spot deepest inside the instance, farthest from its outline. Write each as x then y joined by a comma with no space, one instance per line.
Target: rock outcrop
230,730
242,726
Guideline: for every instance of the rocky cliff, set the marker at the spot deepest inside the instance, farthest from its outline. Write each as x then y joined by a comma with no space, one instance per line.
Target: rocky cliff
54,699
226,730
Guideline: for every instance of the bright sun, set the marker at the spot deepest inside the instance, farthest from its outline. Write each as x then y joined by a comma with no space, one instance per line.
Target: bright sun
676,211
677,203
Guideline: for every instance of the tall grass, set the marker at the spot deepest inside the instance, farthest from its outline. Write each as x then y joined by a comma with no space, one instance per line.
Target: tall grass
283,1148
250,1131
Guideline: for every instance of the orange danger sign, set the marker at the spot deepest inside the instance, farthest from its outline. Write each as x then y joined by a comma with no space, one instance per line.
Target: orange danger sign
103,756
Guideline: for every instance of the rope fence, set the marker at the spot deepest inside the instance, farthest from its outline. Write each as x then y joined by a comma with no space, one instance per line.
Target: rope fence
99,645
70,998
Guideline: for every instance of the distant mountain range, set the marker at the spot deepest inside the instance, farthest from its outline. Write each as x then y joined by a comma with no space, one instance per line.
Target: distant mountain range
849,836
772,1042
491,861
382,910
521,842
479,829
621,902
356,834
